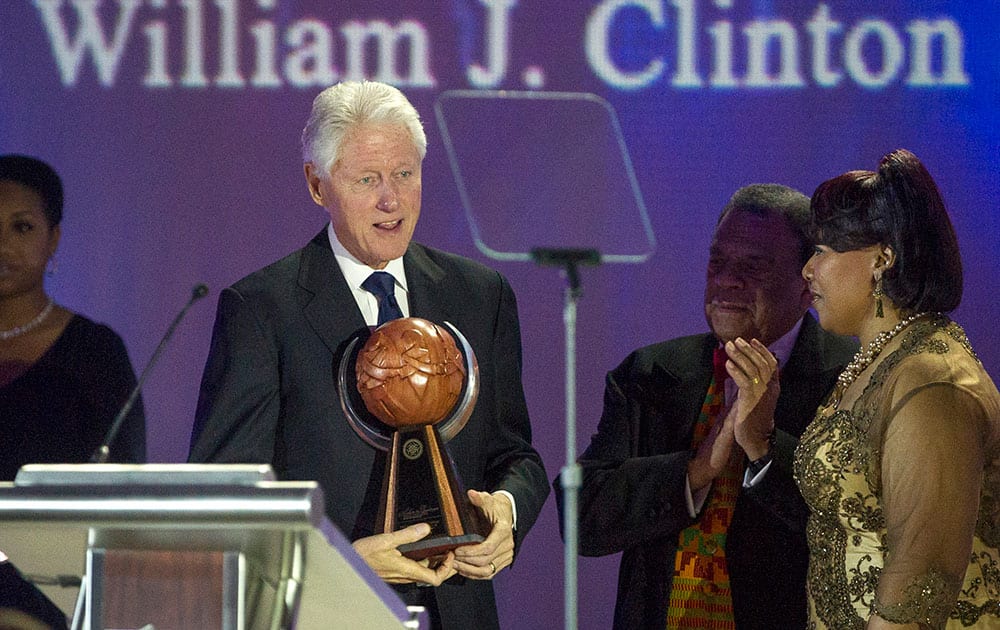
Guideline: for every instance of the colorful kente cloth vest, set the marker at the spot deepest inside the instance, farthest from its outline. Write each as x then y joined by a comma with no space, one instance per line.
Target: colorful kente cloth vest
700,596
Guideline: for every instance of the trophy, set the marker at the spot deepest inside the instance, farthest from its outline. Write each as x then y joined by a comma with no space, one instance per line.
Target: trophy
412,377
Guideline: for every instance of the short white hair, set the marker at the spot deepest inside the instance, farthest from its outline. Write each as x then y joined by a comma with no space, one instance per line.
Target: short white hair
339,107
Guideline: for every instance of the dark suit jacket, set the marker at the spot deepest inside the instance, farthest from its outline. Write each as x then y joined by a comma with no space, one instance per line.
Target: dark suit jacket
268,392
634,471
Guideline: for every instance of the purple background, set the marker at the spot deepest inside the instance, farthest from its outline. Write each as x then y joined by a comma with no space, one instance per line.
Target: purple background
171,185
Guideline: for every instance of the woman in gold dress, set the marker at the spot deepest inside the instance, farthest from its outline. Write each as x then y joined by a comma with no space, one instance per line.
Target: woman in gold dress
901,465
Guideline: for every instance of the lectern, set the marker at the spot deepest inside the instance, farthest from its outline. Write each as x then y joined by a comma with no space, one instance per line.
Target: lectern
189,547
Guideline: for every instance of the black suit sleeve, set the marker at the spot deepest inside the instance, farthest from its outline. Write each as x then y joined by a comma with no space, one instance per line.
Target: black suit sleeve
512,463
627,499
238,407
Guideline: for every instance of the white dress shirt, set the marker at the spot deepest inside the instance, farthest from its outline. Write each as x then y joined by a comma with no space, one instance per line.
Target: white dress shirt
356,272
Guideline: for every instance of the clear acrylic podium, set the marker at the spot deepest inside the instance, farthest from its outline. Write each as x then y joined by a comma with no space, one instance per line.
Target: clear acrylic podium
189,547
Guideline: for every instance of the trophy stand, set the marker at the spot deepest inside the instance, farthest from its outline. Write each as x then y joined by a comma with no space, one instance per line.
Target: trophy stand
569,260
421,485
584,199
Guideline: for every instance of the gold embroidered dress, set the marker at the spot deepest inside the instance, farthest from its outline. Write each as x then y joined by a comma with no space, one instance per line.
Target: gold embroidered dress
898,481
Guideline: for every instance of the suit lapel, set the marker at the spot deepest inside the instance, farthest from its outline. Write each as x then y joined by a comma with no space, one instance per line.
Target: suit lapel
676,383
805,379
326,300
424,278
329,305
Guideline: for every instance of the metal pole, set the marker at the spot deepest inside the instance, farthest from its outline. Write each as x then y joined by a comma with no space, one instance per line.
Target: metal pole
571,471
569,260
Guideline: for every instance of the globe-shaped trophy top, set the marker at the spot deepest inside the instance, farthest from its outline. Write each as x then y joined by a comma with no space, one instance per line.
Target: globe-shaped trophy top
410,372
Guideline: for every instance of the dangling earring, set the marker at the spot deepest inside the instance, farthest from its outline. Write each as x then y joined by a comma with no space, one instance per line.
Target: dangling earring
877,294
52,267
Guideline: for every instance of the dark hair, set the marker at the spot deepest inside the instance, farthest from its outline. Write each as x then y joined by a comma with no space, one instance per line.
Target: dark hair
775,199
900,207
38,176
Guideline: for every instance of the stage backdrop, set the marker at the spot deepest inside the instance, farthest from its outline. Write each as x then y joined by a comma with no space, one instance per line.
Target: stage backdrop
175,125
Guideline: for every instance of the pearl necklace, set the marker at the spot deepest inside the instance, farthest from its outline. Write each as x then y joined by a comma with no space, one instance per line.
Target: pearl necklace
17,331
864,357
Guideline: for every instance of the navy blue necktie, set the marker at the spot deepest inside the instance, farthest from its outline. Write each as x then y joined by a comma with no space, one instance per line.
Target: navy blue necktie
383,286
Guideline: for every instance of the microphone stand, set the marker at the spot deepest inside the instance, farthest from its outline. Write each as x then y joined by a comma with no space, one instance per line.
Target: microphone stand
103,452
571,478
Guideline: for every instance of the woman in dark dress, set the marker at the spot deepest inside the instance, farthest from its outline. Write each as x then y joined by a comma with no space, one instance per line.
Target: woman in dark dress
63,378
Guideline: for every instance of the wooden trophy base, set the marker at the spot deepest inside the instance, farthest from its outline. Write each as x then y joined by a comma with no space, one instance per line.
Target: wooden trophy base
421,485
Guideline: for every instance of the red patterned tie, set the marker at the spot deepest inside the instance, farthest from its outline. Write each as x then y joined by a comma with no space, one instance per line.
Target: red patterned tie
719,358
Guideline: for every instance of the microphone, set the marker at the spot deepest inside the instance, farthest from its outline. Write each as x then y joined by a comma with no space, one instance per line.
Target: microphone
103,452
